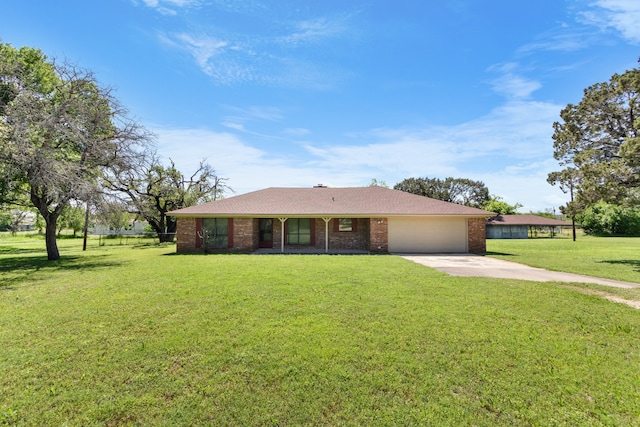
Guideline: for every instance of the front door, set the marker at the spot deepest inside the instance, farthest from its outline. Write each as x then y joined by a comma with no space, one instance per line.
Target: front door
266,233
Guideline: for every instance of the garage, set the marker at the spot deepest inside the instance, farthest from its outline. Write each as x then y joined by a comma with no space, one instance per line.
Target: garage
427,235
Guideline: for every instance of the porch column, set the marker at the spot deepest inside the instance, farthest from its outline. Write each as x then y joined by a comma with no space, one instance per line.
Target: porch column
282,221
326,234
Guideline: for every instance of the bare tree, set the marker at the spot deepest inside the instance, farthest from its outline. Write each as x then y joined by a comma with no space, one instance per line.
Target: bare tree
152,190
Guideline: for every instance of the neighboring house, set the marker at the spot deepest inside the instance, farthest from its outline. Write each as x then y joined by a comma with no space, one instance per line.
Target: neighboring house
521,226
23,220
330,220
132,229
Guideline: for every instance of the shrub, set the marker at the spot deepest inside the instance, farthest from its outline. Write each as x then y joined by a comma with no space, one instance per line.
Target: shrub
605,219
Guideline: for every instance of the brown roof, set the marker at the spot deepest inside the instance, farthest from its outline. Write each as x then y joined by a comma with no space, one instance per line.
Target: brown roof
525,220
320,201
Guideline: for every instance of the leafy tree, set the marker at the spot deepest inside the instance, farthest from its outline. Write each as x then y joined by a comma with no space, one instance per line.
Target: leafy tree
152,190
568,180
12,218
500,207
59,131
378,182
598,141
5,221
72,217
113,213
455,190
606,219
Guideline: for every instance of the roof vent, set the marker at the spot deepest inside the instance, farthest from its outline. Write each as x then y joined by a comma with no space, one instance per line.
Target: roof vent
320,186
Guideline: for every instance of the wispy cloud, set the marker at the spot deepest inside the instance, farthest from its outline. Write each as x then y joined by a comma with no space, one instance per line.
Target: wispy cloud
241,6
229,62
622,15
296,132
561,39
239,117
203,49
510,83
254,112
315,30
168,7
266,52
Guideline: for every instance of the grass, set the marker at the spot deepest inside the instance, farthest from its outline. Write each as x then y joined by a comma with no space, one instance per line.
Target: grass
615,258
136,335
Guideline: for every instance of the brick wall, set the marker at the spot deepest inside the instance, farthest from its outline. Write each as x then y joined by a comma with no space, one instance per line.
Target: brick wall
245,235
346,240
477,235
277,233
186,235
378,235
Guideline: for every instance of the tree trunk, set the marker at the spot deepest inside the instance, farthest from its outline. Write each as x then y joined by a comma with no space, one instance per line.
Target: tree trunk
50,238
167,233
51,221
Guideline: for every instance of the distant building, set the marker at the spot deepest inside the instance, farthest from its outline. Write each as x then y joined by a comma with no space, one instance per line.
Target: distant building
26,220
133,228
521,226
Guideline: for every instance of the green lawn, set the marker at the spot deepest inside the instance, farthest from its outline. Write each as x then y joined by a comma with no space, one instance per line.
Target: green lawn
136,335
615,258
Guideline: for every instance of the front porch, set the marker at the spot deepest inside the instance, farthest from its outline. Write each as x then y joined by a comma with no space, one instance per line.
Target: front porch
310,251
322,235
293,235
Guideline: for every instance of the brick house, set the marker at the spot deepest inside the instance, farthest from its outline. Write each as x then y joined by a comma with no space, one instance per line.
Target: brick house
330,220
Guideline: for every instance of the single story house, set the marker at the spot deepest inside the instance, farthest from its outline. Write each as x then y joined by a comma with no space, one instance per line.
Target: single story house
330,220
521,226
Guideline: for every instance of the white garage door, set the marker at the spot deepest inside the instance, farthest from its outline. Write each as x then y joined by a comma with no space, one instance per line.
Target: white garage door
427,235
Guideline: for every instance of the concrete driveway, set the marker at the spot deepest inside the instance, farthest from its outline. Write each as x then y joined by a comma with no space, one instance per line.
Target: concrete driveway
483,266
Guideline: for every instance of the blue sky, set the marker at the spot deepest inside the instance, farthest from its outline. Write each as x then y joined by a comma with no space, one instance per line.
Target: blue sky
298,93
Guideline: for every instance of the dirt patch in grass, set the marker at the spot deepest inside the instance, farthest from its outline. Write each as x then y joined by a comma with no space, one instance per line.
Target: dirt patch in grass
613,298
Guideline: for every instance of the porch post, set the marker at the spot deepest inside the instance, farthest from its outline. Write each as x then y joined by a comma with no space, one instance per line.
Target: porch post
326,234
282,221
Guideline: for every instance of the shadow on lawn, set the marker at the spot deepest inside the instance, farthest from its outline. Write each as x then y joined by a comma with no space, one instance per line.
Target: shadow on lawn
498,253
8,250
634,263
21,269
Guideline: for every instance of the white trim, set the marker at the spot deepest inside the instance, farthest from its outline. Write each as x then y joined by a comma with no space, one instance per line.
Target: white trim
326,234
282,221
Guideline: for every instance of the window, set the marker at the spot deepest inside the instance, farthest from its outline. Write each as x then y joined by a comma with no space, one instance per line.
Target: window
299,231
215,232
345,224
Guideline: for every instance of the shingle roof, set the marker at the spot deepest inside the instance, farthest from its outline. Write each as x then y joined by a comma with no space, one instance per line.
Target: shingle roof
321,201
525,220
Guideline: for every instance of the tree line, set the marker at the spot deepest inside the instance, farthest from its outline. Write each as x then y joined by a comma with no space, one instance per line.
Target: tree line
463,191
66,140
